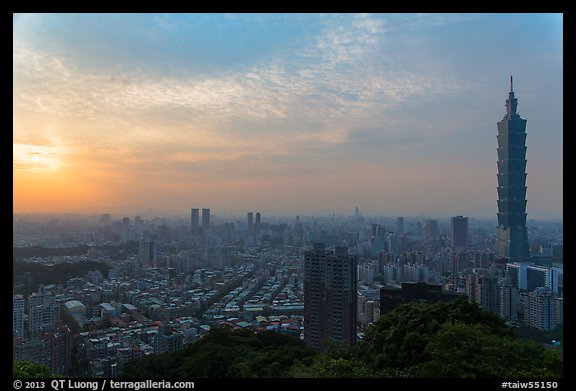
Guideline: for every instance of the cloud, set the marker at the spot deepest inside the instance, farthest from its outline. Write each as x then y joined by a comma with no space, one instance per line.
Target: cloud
229,97
314,93
37,158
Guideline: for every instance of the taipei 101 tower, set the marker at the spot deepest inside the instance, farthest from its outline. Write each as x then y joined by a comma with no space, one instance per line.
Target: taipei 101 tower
512,236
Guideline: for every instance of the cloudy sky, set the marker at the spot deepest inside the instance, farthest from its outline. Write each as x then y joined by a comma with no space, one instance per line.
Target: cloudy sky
282,113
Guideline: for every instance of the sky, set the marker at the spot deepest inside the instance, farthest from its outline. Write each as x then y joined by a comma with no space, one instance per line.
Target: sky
282,113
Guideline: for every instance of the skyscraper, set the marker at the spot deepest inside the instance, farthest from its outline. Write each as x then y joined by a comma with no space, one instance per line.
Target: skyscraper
205,219
400,226
329,296
459,232
250,222
512,236
194,220
487,292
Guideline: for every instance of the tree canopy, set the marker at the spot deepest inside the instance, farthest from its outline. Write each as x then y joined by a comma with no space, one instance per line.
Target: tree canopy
226,353
25,369
455,339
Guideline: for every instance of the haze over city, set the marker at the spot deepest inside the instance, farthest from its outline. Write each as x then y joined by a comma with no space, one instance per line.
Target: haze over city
282,113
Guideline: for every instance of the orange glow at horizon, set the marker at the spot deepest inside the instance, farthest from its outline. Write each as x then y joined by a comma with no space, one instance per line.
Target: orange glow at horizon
40,192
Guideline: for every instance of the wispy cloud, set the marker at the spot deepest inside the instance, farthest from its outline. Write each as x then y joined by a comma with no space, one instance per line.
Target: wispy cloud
317,93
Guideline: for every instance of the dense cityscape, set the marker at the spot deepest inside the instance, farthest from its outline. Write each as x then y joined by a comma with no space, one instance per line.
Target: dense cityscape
210,288
177,284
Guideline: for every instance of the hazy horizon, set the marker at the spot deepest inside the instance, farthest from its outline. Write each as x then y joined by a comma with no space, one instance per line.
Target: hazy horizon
302,113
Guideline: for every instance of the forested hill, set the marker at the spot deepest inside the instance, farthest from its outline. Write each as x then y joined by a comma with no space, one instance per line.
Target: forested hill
455,339
115,252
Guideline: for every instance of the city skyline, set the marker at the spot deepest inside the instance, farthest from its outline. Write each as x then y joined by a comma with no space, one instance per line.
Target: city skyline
301,113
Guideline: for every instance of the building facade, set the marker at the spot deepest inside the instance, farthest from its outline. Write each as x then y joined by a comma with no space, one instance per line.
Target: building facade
509,300
17,316
412,292
194,220
541,308
147,252
459,233
206,219
329,297
43,314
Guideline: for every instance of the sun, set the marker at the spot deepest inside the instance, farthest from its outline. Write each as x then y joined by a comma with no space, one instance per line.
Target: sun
35,158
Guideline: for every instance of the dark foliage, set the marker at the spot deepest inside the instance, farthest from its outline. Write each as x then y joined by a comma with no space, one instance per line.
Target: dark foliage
56,274
226,353
455,339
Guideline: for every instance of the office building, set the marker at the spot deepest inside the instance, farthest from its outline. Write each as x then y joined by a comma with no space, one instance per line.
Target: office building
205,219
509,300
487,293
512,235
400,226
147,252
459,232
250,222
194,220
329,296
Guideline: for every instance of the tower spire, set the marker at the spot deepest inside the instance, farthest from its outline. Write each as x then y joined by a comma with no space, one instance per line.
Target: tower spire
511,102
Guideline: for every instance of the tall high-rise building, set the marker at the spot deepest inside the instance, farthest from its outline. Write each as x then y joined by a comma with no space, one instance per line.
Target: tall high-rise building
250,222
194,220
393,243
432,230
459,232
43,314
17,315
483,288
400,226
60,349
509,300
487,293
257,218
541,309
329,296
512,236
147,252
205,218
